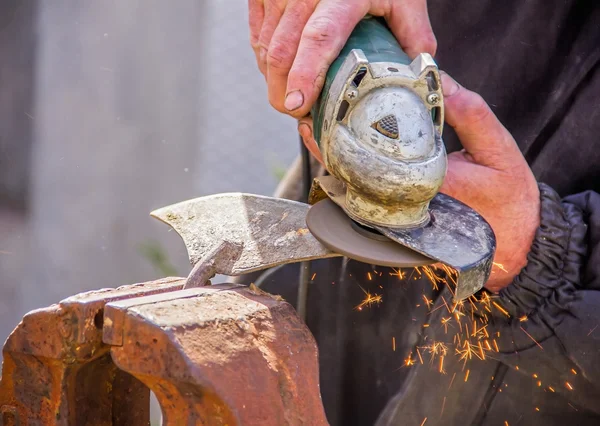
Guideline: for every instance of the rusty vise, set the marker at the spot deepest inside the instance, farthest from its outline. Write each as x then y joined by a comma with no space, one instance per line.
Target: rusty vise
214,355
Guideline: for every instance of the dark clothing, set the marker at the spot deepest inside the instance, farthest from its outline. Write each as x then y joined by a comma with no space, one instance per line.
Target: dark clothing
537,63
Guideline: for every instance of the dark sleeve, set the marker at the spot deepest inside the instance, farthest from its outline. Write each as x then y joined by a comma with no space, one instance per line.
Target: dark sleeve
553,331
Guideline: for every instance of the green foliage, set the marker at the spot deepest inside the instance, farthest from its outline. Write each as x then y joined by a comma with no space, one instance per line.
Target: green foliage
157,256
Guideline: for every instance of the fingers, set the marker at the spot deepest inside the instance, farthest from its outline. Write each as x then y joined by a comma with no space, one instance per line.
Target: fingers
273,10
482,135
305,128
322,40
256,15
283,47
409,21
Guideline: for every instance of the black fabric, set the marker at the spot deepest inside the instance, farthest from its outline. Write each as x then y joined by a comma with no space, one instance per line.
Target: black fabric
536,62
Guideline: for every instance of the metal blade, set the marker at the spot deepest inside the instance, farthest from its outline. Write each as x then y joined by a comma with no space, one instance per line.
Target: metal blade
270,231
456,236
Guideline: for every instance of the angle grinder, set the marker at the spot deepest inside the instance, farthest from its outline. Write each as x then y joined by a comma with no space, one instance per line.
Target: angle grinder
378,123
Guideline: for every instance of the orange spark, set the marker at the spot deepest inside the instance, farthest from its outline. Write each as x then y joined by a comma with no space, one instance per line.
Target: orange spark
398,273
369,300
425,325
445,323
506,423
523,318
535,376
496,346
500,266
313,276
481,351
531,337
409,361
420,357
442,365
428,302
369,276
452,381
501,309
539,383
489,347
517,367
394,344
424,420
568,385
551,389
467,375
573,371
537,409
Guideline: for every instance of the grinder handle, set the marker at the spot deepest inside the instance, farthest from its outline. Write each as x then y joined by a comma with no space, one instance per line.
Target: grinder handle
374,38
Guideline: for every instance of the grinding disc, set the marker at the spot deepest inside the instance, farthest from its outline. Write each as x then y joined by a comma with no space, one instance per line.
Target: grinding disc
334,229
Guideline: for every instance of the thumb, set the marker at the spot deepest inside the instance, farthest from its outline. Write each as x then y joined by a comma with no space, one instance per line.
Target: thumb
480,132
305,128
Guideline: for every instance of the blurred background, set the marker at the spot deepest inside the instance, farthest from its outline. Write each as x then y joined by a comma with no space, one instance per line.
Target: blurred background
109,110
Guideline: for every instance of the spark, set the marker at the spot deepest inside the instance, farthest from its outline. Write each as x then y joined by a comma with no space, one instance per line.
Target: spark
535,376
551,389
425,325
467,375
446,305
531,337
445,323
573,371
500,266
481,351
452,381
523,318
568,385
506,423
369,276
592,330
394,344
443,405
424,420
537,409
409,361
572,406
398,273
313,276
420,357
369,300
428,302
517,367
496,345
442,365
501,309
539,383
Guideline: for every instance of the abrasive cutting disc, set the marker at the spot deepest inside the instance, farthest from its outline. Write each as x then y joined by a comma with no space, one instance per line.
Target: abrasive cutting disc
334,229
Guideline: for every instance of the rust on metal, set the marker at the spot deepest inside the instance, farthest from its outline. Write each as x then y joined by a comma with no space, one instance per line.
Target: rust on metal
214,355
57,370
220,355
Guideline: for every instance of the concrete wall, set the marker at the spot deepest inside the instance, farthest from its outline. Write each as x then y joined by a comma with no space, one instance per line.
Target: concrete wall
134,105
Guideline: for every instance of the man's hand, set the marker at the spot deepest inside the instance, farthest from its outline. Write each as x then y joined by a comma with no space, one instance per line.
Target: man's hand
490,175
295,41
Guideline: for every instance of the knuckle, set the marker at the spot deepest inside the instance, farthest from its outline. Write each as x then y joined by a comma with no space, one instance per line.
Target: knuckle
280,56
321,30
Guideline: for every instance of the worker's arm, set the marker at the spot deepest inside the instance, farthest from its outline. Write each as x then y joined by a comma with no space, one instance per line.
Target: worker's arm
550,249
295,41
553,332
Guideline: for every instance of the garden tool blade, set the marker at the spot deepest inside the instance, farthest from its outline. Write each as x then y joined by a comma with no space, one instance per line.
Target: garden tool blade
237,233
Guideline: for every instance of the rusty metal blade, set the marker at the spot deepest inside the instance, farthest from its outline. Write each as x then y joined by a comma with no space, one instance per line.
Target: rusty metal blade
271,231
